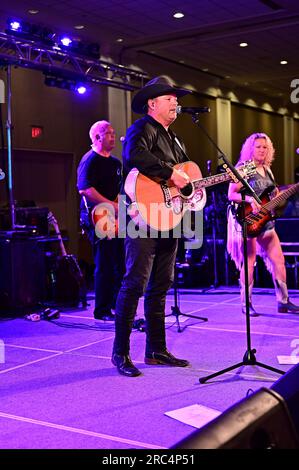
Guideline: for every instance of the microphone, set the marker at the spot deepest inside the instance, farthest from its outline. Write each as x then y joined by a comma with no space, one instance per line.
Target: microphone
2,174
192,109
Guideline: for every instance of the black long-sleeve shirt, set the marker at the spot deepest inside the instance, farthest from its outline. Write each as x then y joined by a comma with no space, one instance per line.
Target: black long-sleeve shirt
151,149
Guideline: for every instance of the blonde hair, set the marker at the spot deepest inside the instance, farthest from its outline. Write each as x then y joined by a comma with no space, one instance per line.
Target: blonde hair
97,129
248,146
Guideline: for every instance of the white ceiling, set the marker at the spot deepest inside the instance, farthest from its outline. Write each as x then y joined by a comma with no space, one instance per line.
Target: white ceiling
205,41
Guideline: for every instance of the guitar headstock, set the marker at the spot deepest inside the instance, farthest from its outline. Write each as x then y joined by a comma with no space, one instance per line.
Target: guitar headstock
52,220
247,169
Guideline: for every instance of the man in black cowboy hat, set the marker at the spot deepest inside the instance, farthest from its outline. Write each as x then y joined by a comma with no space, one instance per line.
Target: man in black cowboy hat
152,148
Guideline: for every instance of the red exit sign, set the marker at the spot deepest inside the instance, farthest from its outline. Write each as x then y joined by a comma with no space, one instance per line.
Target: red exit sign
36,132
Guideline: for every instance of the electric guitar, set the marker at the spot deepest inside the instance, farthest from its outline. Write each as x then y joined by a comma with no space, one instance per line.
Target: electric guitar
256,222
68,279
162,205
104,220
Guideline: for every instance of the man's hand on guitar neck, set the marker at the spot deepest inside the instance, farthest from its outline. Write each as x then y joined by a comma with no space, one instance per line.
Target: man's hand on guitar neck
179,178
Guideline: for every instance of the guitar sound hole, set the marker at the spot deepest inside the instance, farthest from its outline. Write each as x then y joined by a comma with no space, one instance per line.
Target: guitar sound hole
187,190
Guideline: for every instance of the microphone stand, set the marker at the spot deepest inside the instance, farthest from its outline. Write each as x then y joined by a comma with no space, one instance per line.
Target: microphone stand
249,358
175,310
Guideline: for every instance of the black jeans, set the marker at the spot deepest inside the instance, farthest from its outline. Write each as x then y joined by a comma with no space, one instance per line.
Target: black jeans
109,269
149,271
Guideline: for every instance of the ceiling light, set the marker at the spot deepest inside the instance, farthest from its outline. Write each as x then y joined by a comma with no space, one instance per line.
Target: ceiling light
33,12
243,44
283,62
79,26
119,40
178,15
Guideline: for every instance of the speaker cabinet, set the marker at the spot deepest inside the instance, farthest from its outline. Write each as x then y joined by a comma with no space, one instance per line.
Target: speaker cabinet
288,388
22,273
261,421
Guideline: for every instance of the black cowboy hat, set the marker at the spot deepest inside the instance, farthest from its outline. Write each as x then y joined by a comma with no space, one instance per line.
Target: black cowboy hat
158,86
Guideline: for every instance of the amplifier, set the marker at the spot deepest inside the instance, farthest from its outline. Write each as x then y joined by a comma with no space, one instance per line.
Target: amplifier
22,274
27,217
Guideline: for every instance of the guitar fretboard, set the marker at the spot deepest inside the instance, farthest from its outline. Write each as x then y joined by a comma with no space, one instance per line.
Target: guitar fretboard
281,197
211,180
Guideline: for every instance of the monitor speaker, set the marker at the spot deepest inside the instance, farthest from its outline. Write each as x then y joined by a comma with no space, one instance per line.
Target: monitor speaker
22,274
288,388
261,421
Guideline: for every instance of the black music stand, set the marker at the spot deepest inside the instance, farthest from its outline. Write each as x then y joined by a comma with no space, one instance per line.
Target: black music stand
175,310
249,358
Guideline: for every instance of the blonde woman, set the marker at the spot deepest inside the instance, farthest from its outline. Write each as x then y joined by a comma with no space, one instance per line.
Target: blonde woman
259,148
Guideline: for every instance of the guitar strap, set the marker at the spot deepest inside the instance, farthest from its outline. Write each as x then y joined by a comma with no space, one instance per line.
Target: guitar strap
271,175
181,147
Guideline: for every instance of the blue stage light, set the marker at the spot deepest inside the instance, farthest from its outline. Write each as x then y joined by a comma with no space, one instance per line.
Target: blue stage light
15,25
66,41
81,89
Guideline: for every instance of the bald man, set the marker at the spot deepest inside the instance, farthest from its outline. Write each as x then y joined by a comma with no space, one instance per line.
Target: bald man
99,181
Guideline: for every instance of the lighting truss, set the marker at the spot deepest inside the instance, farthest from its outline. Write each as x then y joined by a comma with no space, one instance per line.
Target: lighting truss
54,60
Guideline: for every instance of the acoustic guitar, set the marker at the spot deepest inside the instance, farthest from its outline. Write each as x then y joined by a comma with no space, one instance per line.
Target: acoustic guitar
68,281
162,205
256,222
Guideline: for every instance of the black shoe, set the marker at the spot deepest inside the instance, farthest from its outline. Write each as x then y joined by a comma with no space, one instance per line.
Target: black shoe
165,358
124,365
252,312
107,317
288,307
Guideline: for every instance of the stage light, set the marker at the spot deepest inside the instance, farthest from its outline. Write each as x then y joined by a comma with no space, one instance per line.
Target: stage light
45,35
66,41
81,89
14,25
30,31
90,50
65,83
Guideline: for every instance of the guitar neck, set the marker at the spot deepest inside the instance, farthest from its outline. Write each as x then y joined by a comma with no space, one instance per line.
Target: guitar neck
277,200
59,236
61,244
211,180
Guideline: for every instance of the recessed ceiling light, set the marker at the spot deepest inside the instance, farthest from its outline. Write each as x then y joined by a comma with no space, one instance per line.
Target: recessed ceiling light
205,69
243,44
181,61
119,40
227,76
178,15
33,12
283,62
79,26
